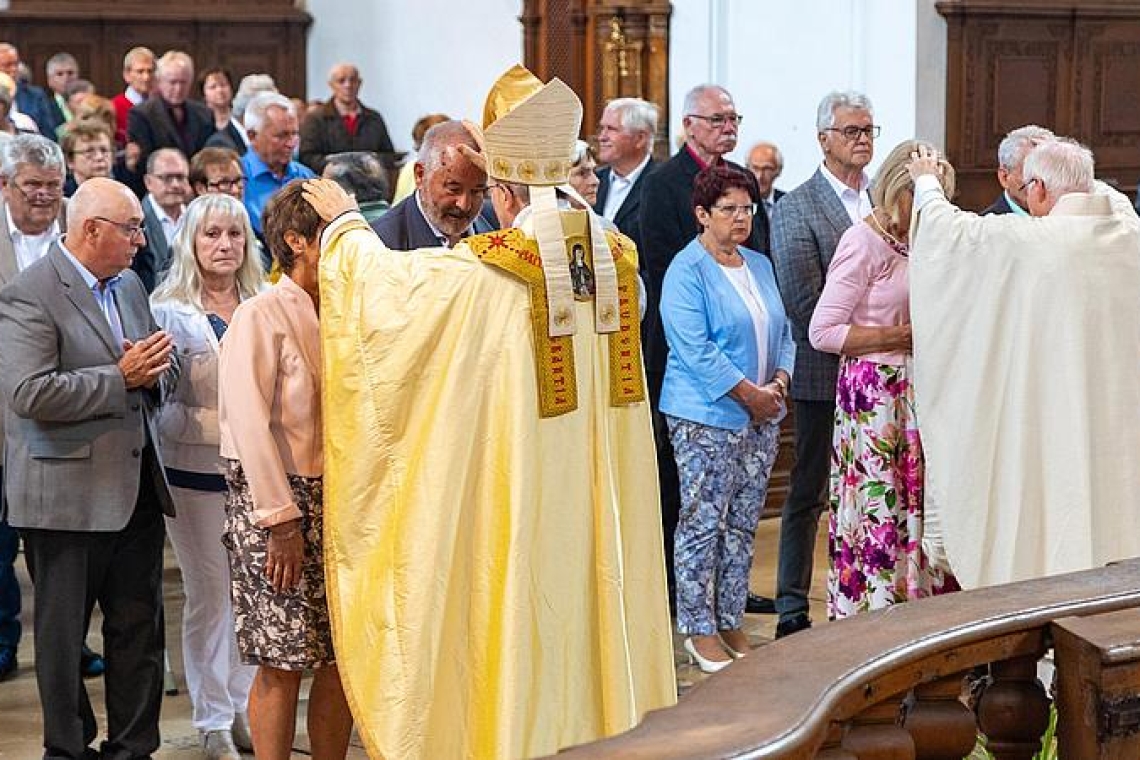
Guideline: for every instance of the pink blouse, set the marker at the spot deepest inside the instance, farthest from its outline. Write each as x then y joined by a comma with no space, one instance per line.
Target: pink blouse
867,285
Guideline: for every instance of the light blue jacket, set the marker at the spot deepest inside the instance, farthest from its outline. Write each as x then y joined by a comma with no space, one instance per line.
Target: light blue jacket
711,337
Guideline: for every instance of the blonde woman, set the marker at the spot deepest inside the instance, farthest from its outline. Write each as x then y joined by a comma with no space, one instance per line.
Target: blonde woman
877,467
214,267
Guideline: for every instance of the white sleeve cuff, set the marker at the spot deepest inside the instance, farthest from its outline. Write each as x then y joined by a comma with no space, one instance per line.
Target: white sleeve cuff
927,188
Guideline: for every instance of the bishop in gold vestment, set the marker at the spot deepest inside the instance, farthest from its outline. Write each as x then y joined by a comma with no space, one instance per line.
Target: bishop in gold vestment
492,525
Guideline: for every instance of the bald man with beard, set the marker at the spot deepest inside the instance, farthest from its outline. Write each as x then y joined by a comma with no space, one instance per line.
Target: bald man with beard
80,361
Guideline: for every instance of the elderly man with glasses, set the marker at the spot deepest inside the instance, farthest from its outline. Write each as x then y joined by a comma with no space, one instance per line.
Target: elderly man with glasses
667,225
806,226
80,361
167,182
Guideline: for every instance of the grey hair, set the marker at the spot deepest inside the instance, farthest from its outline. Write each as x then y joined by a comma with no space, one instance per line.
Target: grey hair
439,138
694,95
255,111
183,280
135,53
359,172
636,115
173,58
1015,145
1062,165
60,59
251,85
825,114
33,150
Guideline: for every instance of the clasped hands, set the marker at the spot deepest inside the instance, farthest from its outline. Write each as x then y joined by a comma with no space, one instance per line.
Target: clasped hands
763,402
145,361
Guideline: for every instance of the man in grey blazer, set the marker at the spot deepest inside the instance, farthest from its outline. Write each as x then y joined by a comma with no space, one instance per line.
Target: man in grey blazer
32,172
80,361
806,226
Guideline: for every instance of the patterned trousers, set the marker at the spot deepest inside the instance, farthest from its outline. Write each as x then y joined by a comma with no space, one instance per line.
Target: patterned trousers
724,478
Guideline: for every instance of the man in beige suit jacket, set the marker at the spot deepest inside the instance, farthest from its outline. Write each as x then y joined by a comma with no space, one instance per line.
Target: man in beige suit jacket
32,171
80,361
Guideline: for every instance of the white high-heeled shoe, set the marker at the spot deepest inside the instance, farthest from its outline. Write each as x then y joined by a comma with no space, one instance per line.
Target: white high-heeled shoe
706,665
736,655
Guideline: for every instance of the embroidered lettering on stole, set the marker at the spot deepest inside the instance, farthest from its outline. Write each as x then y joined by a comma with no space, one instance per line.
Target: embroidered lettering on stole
513,252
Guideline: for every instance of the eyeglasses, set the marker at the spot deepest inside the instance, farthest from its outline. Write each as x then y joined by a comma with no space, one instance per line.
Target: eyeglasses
92,152
717,121
1025,187
45,190
226,183
170,179
130,230
736,211
853,133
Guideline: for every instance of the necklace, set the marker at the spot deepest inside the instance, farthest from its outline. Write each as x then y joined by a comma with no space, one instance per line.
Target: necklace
900,248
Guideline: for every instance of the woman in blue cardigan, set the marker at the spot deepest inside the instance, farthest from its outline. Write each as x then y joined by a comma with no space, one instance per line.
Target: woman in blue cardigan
726,383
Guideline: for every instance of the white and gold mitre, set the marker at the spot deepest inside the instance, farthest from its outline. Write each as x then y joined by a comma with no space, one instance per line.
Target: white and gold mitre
529,129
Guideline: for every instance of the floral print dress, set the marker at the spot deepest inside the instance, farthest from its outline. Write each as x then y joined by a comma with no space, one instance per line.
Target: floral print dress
875,521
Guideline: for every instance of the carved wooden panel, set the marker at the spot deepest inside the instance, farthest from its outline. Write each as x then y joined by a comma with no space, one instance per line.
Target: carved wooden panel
603,49
1069,66
245,36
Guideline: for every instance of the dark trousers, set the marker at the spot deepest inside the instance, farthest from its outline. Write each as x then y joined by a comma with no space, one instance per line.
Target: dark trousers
668,482
122,571
9,588
807,499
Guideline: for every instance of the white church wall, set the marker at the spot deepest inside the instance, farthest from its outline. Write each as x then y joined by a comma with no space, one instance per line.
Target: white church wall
416,56
777,58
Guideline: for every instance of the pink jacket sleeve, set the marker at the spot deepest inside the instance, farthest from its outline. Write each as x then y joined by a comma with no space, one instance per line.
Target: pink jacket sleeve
247,375
848,277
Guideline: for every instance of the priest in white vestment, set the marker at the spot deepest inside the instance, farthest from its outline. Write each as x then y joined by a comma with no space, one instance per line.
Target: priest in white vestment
1027,373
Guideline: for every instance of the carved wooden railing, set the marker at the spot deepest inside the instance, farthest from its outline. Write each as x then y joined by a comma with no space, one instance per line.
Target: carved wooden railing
889,684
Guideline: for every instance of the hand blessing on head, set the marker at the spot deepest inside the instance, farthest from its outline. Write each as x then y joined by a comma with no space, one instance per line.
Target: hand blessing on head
328,198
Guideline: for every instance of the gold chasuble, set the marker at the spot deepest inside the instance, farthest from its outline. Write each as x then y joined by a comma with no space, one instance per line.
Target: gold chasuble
492,523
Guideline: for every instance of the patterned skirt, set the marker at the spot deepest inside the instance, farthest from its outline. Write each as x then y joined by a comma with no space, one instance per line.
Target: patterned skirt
287,630
877,468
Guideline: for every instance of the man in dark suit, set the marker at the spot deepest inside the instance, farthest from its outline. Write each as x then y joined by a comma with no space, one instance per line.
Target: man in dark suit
625,146
766,164
1012,151
343,124
80,358
170,119
29,99
449,195
667,225
806,227
62,69
167,181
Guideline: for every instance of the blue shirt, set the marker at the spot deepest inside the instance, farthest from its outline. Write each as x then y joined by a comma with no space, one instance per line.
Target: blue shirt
104,292
261,183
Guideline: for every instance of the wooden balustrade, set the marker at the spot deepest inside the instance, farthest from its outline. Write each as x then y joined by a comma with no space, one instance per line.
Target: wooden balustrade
888,684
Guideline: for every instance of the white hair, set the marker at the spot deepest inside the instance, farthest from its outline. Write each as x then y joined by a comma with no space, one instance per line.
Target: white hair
825,114
33,150
693,97
636,115
250,86
1061,165
173,59
1016,144
255,111
183,281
